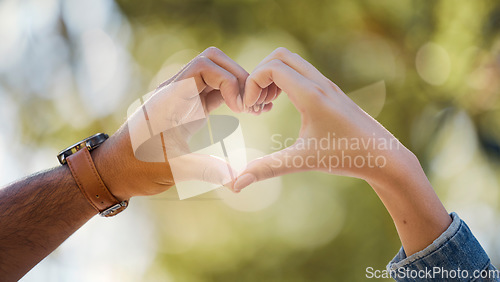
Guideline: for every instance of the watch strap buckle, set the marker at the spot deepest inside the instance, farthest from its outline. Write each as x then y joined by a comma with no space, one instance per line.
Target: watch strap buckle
114,209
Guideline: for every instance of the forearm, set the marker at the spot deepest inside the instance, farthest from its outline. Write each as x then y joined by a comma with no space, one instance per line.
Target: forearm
409,198
36,215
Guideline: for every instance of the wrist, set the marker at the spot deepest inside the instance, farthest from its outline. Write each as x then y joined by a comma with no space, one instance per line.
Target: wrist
110,160
401,167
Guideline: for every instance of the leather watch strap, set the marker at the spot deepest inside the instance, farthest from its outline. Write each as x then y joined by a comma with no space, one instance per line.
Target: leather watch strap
91,185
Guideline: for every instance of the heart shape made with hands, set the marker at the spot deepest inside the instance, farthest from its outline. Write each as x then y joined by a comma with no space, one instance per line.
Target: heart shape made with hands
172,124
172,127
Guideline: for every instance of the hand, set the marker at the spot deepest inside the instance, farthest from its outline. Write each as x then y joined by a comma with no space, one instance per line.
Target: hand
131,163
336,136
359,146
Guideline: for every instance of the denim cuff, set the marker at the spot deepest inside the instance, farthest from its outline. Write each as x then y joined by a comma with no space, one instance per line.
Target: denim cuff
454,251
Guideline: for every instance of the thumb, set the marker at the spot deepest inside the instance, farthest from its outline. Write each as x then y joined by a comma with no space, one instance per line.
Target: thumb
202,167
286,161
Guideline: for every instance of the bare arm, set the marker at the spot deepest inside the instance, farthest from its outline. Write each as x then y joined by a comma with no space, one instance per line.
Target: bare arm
327,112
36,215
417,212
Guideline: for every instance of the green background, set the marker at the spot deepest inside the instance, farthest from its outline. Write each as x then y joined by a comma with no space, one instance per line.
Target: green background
70,69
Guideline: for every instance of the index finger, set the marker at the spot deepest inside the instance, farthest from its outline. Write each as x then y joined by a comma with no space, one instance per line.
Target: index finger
299,88
225,62
298,63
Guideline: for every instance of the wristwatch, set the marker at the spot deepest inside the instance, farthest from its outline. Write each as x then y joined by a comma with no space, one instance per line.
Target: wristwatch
79,160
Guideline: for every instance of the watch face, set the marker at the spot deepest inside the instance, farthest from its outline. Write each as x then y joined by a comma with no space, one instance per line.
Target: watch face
90,143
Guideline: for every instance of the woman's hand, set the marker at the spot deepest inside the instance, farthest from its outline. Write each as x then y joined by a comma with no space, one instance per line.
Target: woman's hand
338,137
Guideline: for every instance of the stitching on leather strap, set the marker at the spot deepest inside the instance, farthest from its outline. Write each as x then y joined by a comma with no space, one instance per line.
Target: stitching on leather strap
80,185
93,188
96,174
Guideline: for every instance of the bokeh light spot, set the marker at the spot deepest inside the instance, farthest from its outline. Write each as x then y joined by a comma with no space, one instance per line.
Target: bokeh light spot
433,63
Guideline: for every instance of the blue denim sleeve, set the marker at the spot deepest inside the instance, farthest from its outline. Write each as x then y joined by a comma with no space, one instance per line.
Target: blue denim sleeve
456,255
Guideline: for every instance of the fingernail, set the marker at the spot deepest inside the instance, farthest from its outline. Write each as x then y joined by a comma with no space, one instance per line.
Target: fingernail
256,108
239,103
243,181
262,106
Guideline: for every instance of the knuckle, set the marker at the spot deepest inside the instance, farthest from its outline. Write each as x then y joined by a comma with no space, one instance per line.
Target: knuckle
244,75
264,169
334,86
252,79
201,62
209,174
281,52
232,79
275,63
317,90
267,171
296,56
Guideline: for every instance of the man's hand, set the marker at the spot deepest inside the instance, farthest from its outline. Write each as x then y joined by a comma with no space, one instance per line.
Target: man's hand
327,113
178,113
39,212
